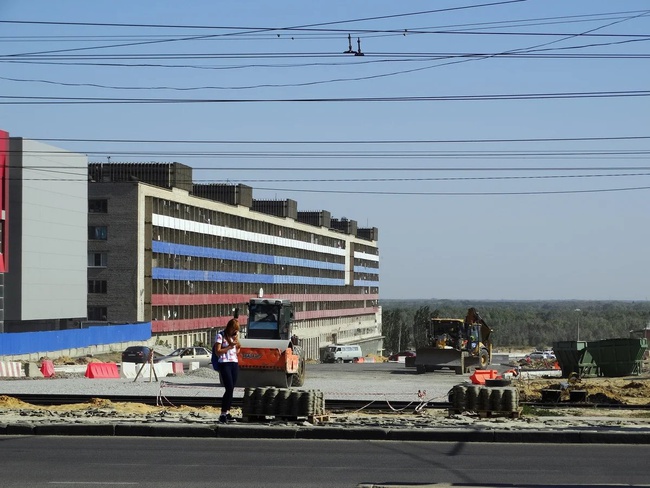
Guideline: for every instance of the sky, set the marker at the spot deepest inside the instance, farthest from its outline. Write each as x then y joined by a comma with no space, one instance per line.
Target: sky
501,148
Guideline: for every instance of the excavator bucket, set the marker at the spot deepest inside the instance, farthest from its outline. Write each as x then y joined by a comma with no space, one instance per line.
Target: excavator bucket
267,362
432,358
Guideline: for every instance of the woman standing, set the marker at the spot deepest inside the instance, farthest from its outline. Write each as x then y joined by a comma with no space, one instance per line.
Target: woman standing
226,347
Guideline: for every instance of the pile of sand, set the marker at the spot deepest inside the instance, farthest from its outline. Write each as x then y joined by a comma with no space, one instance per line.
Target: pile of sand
621,391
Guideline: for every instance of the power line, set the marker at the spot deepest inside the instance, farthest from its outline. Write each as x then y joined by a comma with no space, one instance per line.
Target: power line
402,155
369,141
180,26
394,57
451,178
256,30
417,193
482,25
323,169
464,193
351,180
32,100
84,179
310,83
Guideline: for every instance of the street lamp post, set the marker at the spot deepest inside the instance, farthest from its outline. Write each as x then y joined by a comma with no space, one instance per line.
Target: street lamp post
578,322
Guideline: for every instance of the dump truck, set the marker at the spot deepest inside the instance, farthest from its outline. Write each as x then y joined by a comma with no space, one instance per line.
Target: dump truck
270,354
453,343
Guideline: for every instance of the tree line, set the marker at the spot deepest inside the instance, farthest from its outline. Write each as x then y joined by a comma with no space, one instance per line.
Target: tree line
517,324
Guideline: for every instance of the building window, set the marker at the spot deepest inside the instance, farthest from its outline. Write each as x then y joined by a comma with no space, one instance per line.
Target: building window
97,313
96,286
98,206
97,232
97,259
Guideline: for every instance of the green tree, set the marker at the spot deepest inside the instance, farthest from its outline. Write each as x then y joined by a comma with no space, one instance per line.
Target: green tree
421,320
396,334
529,324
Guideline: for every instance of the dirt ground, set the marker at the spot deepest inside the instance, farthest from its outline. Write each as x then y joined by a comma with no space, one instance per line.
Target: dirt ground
616,391
634,390
124,408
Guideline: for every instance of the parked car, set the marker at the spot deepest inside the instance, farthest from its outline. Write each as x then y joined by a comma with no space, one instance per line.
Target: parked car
541,356
136,354
403,354
187,355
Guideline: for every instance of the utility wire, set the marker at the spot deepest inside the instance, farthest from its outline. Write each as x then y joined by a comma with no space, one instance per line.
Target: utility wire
394,58
330,141
84,179
482,25
32,100
402,155
177,26
255,30
450,178
463,193
359,180
376,169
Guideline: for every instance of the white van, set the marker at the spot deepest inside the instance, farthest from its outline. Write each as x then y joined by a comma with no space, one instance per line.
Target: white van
342,354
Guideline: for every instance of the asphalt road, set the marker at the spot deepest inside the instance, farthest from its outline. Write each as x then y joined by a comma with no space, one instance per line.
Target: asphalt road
44,461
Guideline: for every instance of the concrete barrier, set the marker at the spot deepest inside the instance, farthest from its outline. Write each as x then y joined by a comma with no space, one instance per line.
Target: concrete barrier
11,369
177,368
33,370
102,370
130,370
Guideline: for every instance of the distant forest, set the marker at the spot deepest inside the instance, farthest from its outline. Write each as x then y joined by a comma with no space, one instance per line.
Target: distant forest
517,324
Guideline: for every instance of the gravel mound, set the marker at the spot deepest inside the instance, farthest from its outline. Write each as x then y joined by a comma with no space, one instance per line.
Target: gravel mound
207,373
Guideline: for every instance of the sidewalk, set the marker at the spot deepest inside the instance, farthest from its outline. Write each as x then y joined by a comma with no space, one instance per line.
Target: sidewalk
335,432
428,426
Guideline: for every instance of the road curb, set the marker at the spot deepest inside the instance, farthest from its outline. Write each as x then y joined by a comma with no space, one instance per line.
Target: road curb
241,431
163,430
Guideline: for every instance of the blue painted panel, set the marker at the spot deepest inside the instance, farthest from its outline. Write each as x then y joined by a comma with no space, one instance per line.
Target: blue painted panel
365,269
56,340
209,252
193,275
365,283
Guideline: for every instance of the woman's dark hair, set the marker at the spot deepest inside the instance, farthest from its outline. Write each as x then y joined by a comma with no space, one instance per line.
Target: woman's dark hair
232,326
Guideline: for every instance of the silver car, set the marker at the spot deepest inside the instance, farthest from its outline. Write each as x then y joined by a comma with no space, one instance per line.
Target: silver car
187,355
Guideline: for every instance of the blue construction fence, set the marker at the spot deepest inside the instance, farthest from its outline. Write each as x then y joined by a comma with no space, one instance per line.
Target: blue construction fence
15,343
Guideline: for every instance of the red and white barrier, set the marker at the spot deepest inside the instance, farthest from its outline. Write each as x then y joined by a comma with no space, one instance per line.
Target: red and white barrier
47,368
11,369
102,370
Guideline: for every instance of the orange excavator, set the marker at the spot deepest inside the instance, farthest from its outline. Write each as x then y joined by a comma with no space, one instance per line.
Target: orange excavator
270,354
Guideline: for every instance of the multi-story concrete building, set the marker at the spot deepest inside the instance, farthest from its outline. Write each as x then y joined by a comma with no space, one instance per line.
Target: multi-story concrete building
183,255
43,225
